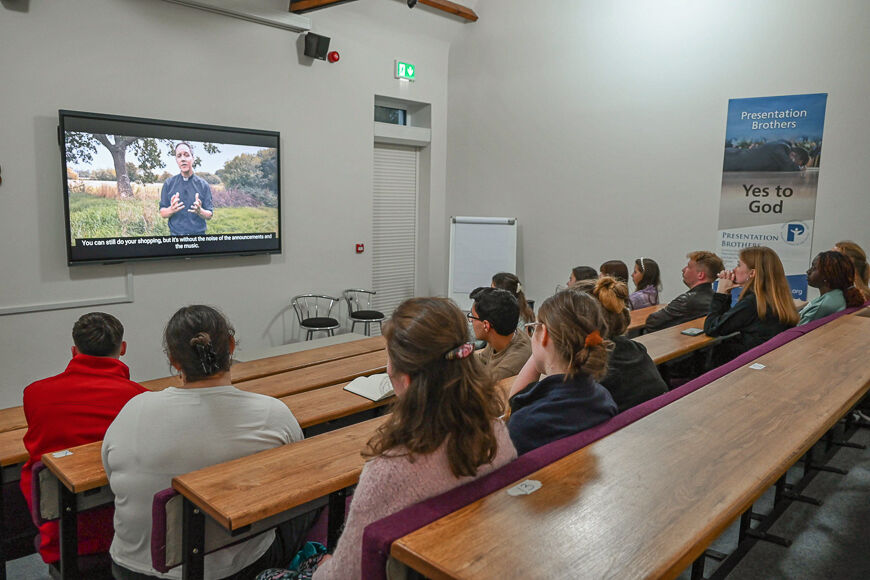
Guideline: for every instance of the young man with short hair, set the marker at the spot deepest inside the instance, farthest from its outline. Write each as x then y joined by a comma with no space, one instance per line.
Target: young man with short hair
698,274
494,317
74,408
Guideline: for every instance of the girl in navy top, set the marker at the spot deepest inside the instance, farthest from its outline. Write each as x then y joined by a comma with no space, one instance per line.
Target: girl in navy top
569,350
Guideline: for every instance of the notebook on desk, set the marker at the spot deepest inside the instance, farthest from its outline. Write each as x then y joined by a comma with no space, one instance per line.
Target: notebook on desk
375,387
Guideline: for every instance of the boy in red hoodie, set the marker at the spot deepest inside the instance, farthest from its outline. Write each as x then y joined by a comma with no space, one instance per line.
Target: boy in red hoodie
74,408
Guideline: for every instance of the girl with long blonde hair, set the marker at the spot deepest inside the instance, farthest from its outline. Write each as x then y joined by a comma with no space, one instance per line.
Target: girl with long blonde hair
764,308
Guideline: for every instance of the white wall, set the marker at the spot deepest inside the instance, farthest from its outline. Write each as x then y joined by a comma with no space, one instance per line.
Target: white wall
601,124
160,60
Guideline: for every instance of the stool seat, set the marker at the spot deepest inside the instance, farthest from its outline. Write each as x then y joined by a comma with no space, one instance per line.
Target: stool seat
320,322
367,315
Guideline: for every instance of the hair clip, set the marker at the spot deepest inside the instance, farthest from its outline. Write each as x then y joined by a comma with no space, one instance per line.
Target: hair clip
461,351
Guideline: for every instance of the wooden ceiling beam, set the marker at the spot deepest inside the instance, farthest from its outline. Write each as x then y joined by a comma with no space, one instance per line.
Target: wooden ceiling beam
300,6
452,8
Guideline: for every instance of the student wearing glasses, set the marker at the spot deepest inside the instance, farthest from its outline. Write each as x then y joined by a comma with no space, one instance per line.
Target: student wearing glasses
494,316
569,351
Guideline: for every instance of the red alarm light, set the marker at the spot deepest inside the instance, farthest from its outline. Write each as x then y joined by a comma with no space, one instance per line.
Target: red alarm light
333,56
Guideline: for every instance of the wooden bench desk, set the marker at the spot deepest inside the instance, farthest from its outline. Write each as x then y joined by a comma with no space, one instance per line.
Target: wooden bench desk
668,343
287,479
316,376
647,500
81,472
639,316
254,369
328,404
12,418
12,451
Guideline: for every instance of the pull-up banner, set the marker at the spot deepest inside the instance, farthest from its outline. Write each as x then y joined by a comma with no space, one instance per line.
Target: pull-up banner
773,147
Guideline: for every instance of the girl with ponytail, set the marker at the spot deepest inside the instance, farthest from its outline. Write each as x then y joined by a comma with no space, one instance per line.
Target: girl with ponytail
632,376
570,349
444,429
158,435
510,282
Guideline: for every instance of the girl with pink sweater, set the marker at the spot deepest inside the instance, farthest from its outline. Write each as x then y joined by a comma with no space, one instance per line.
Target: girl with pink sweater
444,429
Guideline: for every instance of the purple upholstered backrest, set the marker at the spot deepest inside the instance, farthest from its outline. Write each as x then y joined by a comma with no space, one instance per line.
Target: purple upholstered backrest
158,529
379,536
36,493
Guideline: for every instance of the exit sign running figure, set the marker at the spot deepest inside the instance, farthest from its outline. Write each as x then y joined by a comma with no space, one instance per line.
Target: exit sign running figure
405,70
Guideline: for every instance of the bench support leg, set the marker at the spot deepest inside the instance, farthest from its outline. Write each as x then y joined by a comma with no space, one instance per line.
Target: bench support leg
193,542
3,523
69,541
336,518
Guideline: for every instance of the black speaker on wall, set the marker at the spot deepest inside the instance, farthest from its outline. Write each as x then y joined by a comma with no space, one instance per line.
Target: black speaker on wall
316,46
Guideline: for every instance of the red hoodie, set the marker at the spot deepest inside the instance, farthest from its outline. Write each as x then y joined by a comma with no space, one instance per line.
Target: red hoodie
74,408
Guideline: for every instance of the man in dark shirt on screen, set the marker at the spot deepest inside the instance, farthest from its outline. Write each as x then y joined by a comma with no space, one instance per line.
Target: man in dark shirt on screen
185,198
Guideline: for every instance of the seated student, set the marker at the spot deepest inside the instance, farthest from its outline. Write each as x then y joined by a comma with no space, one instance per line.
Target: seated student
494,316
615,268
632,376
833,274
444,429
698,274
74,408
510,282
764,309
648,283
859,260
567,347
160,435
582,273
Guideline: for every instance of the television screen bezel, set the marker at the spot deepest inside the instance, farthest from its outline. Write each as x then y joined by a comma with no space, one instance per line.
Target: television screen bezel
63,114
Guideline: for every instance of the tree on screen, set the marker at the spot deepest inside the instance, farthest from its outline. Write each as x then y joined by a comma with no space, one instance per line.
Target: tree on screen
81,147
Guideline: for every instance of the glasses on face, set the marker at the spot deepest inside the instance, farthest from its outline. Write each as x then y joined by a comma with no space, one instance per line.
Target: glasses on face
531,326
471,316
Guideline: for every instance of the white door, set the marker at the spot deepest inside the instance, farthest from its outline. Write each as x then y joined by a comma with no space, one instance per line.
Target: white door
394,230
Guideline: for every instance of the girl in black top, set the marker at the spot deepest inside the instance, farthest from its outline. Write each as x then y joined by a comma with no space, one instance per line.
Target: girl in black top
764,309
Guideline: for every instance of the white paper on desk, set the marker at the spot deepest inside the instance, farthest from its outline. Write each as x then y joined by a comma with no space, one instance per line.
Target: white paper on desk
376,387
63,453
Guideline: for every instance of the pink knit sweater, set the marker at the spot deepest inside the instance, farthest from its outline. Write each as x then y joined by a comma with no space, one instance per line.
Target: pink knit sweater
389,484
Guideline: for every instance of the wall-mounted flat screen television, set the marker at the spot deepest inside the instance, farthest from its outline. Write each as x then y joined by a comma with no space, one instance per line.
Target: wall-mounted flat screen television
144,189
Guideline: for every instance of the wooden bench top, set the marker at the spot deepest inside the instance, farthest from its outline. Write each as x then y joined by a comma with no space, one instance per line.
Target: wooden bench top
249,370
639,316
12,450
328,404
240,492
316,376
81,470
668,344
645,501
12,418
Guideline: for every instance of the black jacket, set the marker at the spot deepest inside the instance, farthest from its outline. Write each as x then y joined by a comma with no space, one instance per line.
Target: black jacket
632,376
743,318
692,304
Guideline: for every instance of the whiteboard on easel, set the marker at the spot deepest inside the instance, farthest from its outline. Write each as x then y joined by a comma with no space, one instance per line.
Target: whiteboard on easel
479,248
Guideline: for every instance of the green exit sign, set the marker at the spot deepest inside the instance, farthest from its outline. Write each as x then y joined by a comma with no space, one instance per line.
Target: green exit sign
405,70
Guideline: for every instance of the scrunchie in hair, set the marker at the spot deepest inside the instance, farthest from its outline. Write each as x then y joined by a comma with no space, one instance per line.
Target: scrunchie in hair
593,339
